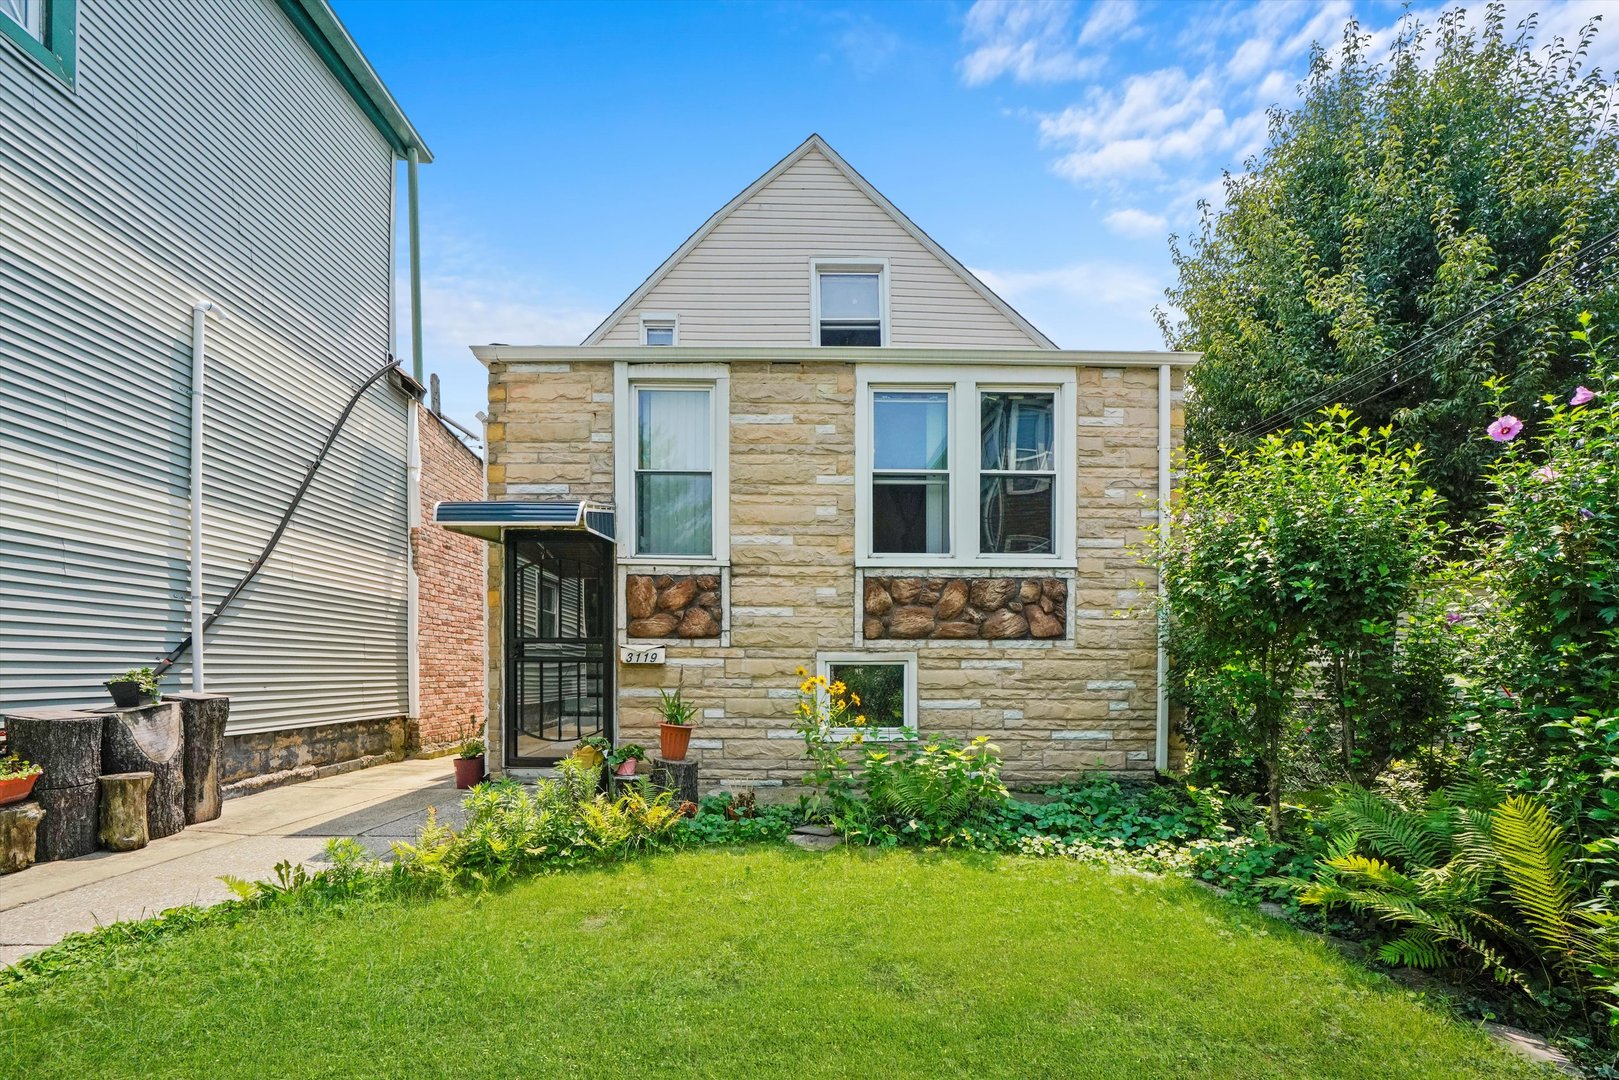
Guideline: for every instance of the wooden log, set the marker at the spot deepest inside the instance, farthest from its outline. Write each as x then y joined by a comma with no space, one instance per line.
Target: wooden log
123,810
19,831
202,725
66,743
149,738
69,828
679,777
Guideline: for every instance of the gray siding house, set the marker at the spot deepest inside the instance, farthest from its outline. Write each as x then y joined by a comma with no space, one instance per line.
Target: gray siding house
240,154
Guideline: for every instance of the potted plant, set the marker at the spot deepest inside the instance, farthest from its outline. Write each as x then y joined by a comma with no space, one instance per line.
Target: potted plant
593,749
469,764
674,732
624,759
17,778
135,687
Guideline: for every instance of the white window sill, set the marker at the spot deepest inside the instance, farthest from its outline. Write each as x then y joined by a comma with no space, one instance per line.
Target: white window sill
669,560
1001,562
887,734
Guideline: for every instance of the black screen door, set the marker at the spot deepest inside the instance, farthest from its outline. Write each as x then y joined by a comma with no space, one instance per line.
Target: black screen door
559,642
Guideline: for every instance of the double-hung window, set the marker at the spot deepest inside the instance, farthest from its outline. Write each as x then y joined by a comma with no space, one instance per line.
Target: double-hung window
45,29
849,302
974,469
671,463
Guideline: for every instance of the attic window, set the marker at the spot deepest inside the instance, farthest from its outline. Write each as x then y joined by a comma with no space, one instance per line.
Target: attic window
851,303
660,330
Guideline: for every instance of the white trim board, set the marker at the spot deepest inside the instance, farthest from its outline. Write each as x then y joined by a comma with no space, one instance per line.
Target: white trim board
815,144
724,354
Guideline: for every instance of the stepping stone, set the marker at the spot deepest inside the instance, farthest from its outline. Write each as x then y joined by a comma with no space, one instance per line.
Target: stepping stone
815,843
814,830
1530,1047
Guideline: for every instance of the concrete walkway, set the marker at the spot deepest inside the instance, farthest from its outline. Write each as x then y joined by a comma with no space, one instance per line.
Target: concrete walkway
48,901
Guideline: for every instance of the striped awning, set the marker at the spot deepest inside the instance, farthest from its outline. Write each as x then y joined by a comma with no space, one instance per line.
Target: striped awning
490,520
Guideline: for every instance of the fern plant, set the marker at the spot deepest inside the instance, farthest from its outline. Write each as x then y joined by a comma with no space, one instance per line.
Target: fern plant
1473,878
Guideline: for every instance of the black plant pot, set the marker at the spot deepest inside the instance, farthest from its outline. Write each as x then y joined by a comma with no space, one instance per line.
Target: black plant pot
127,694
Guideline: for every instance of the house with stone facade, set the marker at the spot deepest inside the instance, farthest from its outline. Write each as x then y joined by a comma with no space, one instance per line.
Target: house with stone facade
813,439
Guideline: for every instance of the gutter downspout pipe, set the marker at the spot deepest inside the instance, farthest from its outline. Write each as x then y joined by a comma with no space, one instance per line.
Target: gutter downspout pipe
1161,762
199,335
412,160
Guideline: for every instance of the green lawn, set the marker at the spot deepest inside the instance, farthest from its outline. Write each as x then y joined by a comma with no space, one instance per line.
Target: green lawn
766,962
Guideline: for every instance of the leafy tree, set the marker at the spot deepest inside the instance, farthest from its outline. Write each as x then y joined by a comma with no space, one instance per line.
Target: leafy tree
1307,556
1394,199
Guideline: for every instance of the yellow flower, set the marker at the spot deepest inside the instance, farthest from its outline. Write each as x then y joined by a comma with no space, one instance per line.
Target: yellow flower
860,719
802,672
854,699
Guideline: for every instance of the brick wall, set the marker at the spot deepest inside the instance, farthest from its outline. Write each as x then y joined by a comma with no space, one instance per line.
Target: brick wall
449,575
1083,700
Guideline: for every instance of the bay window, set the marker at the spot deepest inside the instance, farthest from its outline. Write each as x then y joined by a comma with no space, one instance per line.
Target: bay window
975,468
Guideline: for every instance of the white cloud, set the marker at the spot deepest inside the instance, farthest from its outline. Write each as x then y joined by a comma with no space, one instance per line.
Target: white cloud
1031,40
1085,305
1128,221
1109,21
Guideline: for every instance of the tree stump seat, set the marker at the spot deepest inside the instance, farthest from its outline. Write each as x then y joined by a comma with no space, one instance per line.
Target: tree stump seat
123,810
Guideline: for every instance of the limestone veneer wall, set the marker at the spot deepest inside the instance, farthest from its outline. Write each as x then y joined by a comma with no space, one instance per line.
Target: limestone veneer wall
1081,699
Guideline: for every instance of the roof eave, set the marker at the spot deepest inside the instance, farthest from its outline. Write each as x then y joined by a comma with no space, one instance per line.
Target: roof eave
698,354
320,26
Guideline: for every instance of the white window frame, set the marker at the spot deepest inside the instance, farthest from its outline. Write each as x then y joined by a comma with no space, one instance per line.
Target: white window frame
849,264
660,320
966,454
627,379
823,668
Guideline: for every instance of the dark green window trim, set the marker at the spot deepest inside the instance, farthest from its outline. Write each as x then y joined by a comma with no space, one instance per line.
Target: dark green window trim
59,27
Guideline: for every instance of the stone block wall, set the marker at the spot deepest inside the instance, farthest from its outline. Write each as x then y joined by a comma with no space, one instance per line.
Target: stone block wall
1081,697
258,760
449,577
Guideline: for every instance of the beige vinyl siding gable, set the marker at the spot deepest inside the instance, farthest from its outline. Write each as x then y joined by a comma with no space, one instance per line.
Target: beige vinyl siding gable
747,282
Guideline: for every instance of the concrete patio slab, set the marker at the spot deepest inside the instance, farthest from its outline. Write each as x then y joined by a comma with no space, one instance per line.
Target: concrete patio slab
43,904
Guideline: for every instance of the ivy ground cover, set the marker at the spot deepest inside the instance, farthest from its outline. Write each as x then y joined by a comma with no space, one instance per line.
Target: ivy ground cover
759,961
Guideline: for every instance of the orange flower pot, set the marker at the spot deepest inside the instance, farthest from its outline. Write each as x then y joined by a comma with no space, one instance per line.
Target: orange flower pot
674,739
17,789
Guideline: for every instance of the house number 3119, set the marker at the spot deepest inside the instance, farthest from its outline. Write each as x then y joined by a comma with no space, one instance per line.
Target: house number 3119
641,655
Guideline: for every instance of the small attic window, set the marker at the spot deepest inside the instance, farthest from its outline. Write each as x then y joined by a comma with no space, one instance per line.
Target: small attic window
660,330
850,302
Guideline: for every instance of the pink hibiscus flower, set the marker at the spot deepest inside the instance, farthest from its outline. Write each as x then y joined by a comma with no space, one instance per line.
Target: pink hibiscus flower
1505,429
1546,474
1581,396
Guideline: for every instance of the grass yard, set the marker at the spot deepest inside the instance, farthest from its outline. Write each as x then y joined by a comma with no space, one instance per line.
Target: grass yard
747,963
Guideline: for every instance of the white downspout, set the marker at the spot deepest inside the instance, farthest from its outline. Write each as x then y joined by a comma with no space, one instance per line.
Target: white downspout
413,618
199,335
1162,759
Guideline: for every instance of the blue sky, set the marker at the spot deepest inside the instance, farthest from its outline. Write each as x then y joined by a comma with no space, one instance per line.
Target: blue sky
1050,146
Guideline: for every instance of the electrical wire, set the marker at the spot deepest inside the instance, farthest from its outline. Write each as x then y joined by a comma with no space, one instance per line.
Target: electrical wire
286,516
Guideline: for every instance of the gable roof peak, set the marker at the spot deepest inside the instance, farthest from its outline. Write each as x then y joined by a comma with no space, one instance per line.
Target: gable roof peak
816,143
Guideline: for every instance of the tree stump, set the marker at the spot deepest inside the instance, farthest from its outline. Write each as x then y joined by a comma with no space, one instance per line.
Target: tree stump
148,738
69,828
679,777
19,831
66,743
202,725
123,810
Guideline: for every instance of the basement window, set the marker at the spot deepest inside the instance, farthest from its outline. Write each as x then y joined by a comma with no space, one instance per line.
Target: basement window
885,684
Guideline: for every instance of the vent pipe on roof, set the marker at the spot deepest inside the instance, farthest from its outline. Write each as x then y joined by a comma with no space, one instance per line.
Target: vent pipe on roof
199,335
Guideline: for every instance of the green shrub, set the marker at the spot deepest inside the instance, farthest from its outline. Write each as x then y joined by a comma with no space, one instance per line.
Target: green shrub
718,821
1305,563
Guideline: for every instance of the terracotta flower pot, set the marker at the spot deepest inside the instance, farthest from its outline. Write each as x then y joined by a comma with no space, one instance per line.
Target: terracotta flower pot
674,739
468,772
626,767
17,789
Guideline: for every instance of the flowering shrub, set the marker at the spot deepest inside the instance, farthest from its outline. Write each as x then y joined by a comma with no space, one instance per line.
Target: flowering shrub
1547,629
